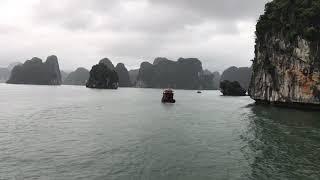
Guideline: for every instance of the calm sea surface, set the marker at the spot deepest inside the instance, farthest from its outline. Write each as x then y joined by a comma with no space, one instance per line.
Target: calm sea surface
71,132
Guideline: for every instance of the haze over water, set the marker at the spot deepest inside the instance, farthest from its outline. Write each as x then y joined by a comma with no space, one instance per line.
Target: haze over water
70,132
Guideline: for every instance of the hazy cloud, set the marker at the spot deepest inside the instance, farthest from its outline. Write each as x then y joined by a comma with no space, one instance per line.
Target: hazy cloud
80,32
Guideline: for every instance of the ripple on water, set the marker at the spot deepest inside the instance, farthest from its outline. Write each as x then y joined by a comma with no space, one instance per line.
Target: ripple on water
75,133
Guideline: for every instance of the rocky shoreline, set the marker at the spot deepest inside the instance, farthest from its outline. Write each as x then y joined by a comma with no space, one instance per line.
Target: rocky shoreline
286,67
294,105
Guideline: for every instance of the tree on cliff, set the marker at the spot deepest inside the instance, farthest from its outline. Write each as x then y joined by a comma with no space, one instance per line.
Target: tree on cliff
292,18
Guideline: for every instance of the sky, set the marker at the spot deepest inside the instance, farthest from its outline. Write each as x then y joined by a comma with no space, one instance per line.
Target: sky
81,32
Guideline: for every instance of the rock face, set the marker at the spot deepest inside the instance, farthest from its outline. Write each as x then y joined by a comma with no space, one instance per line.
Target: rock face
164,73
78,77
54,69
232,88
34,71
241,75
102,77
159,59
123,74
133,74
286,68
145,76
107,62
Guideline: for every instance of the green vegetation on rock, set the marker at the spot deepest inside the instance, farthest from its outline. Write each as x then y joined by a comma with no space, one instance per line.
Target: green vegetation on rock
291,18
234,88
102,77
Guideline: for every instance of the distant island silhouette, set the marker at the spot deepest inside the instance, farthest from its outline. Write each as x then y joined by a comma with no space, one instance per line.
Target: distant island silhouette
185,73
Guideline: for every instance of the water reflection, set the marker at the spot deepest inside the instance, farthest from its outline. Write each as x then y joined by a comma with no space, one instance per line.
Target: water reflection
282,143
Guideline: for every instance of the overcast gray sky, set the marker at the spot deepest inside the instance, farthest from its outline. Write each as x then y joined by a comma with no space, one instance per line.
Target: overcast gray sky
80,32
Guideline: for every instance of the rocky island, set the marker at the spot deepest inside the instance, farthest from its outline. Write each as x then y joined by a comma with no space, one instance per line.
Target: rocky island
185,73
78,77
286,67
36,72
234,88
241,75
102,76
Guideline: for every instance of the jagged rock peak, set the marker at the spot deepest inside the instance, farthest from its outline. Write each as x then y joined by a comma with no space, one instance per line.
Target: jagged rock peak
107,62
159,59
120,65
52,59
123,74
145,64
34,60
52,62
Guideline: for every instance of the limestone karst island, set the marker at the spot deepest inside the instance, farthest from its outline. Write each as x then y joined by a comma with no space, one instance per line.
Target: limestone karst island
286,67
160,90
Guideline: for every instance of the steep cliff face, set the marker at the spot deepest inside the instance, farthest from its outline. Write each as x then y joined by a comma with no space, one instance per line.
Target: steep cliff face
124,79
102,77
145,75
286,68
34,71
53,68
182,74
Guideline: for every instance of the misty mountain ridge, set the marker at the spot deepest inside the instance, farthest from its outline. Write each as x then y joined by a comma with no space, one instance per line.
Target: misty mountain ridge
185,73
77,77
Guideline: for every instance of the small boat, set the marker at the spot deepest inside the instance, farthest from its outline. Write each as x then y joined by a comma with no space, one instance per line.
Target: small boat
199,90
168,96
